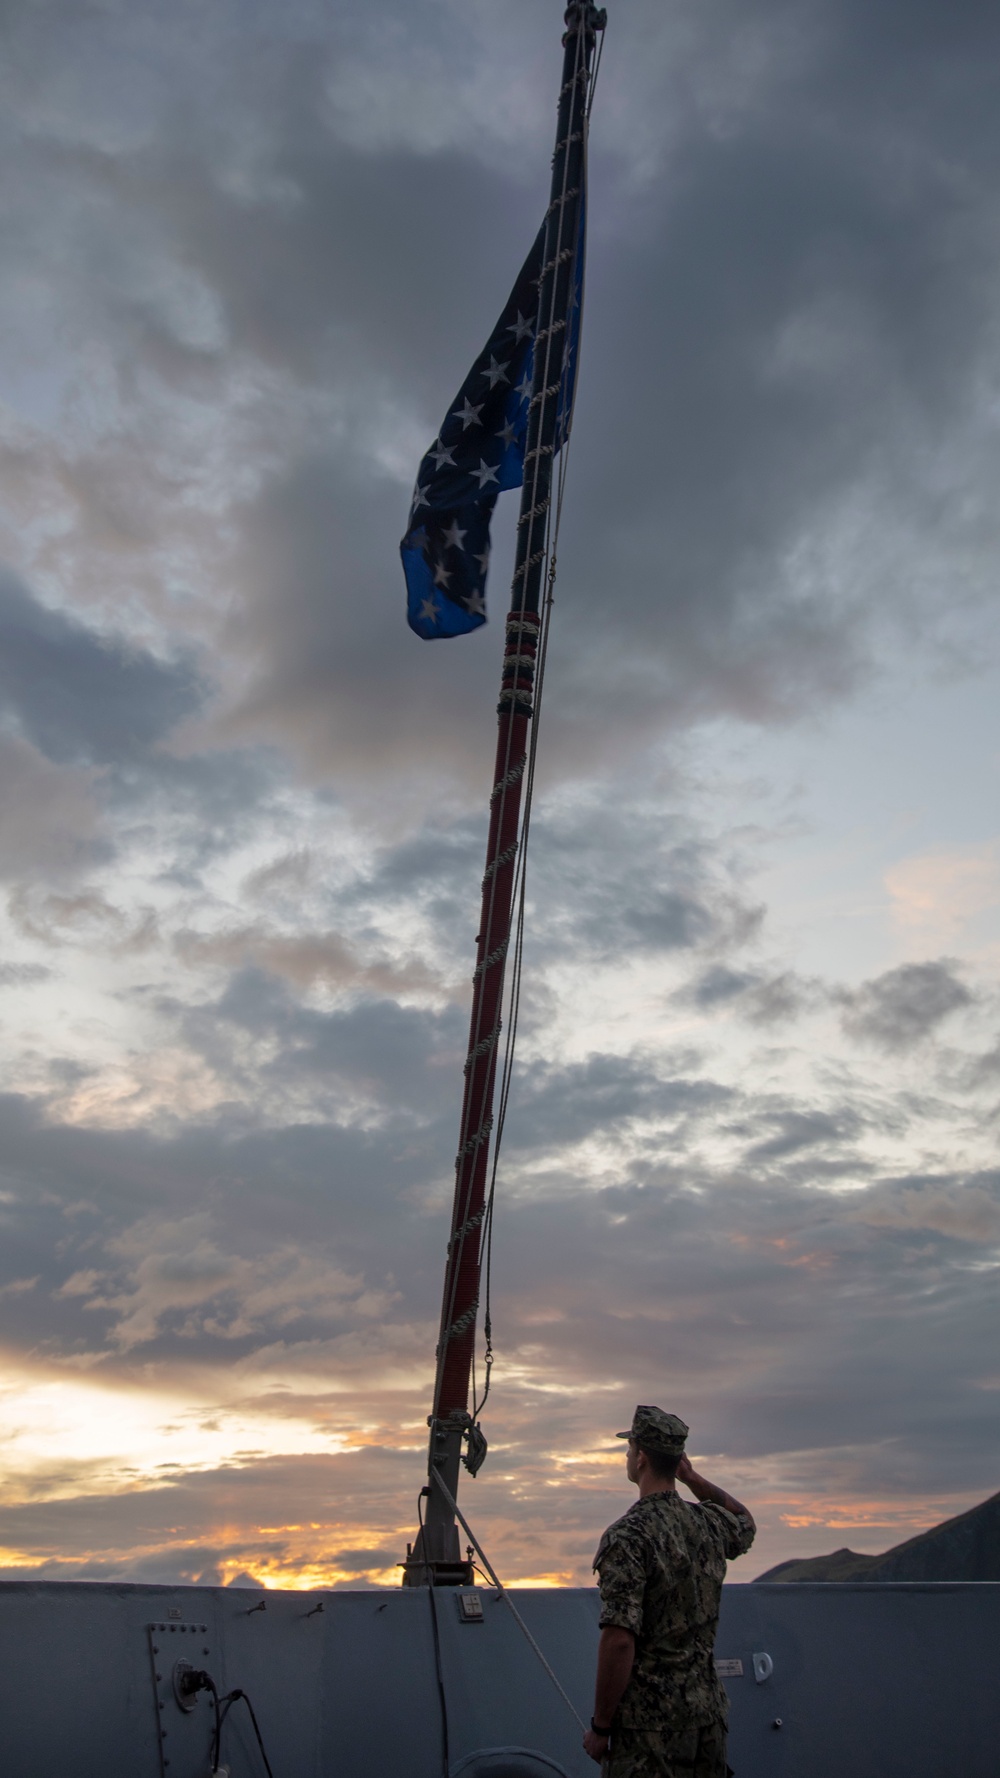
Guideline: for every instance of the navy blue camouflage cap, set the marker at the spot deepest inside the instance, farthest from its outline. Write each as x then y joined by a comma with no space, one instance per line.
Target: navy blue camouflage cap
656,1431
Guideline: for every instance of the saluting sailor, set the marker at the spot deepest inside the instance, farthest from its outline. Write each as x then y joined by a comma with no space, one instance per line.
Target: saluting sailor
660,1710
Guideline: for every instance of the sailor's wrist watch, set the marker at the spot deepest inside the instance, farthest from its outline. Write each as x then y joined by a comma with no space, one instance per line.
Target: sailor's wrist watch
596,1729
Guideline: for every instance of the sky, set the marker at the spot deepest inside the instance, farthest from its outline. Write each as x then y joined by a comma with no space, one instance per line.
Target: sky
749,1171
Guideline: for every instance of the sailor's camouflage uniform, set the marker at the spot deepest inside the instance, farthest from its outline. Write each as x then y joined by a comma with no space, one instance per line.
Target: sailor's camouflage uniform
661,1569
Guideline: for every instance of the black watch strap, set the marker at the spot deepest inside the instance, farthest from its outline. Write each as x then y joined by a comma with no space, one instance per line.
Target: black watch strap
597,1729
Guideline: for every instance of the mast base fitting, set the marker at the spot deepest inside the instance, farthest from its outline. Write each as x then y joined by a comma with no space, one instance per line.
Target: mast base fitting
418,1573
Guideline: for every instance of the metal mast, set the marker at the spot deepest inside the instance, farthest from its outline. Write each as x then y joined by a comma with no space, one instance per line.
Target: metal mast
436,1557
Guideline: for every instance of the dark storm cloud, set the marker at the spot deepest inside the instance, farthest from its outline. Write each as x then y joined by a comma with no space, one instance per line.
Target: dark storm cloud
899,1009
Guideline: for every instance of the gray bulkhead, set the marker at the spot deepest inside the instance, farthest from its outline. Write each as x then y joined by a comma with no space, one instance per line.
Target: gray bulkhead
858,1681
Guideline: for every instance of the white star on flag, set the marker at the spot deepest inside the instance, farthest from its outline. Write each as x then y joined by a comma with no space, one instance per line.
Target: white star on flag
524,387
485,473
476,605
508,433
442,575
521,329
483,560
441,454
496,372
429,610
419,498
468,414
453,538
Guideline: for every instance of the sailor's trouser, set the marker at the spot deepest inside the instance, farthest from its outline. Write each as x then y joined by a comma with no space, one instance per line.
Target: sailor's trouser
690,1753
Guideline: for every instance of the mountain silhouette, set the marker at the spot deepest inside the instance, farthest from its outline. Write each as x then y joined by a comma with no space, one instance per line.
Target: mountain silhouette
964,1548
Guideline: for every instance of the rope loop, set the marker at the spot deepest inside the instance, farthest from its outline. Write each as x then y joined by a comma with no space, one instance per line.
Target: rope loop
510,777
557,204
489,962
543,395
471,1145
483,1047
539,556
466,1228
499,862
459,1327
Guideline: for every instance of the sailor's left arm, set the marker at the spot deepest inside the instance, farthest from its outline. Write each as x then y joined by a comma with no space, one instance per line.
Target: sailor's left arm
620,1564
615,1655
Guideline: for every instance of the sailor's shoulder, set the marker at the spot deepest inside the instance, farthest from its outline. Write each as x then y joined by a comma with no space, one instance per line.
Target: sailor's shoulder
627,1530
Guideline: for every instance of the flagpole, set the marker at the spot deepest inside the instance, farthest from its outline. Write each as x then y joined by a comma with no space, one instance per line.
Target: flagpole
436,1558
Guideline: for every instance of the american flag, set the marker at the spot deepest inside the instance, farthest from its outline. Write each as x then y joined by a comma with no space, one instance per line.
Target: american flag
478,452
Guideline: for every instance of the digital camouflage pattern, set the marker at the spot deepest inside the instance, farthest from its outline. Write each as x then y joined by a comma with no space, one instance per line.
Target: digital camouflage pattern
692,1753
656,1431
661,1569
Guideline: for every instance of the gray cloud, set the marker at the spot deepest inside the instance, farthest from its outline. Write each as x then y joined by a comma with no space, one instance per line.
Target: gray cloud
77,695
899,1009
304,958
243,276
555,1106
756,997
797,1130
50,821
819,334
17,975
178,1250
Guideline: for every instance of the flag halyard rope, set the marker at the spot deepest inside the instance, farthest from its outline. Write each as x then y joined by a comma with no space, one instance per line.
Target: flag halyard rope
524,662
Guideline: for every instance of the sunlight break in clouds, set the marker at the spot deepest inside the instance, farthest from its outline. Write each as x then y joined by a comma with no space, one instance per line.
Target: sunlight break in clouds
61,1433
